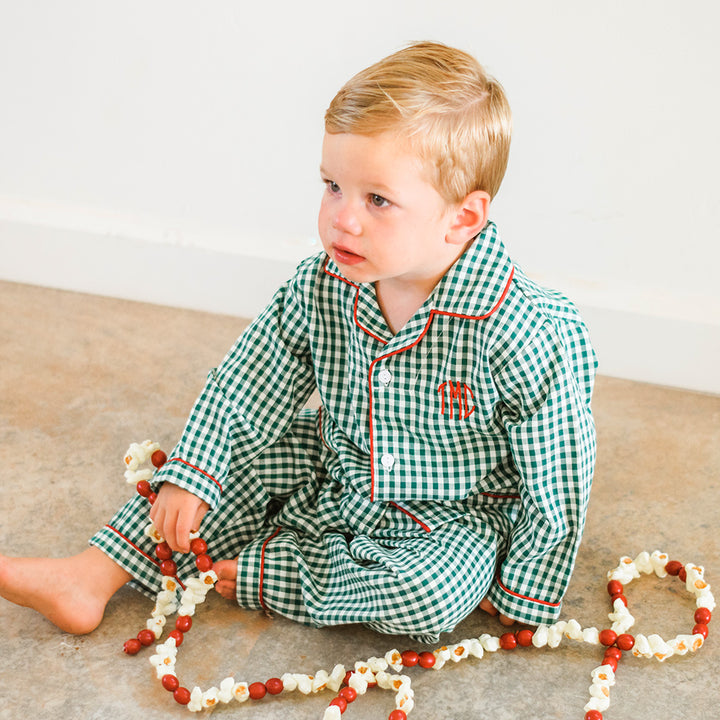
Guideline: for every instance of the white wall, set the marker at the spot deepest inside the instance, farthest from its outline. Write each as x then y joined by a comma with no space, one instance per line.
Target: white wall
167,150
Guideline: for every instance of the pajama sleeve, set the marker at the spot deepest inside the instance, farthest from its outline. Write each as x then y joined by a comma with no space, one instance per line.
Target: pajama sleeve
250,400
546,391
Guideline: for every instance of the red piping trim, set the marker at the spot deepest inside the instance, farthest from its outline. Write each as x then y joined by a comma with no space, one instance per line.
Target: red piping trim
525,597
262,569
412,517
335,275
357,298
433,313
492,310
142,552
195,467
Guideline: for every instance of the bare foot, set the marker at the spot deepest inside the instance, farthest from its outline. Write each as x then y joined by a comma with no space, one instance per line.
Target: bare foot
489,608
226,570
70,592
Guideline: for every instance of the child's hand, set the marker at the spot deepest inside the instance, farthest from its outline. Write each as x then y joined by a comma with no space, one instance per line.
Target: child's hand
489,608
175,513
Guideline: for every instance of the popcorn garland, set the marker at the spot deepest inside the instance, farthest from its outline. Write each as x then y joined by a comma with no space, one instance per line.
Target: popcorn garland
348,685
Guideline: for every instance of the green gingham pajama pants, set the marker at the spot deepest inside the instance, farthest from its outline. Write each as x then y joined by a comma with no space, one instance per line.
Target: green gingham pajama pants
305,549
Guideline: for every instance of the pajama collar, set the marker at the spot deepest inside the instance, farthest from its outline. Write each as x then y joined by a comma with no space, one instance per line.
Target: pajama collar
473,288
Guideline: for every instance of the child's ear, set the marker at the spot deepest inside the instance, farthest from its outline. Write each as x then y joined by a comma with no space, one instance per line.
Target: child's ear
471,217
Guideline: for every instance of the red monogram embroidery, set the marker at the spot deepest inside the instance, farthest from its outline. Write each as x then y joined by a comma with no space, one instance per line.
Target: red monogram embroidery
450,393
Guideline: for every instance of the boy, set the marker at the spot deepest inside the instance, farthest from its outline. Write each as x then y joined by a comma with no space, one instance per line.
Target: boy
450,463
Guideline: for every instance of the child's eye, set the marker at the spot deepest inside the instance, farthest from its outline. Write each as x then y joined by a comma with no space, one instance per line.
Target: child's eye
332,187
378,201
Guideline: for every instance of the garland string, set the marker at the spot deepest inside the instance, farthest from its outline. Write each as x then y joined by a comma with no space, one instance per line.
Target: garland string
183,599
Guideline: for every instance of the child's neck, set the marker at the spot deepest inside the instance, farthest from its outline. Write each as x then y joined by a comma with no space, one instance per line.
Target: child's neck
400,298
399,303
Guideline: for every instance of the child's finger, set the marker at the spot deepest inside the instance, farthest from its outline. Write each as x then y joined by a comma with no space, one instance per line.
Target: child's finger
169,528
199,515
157,515
183,526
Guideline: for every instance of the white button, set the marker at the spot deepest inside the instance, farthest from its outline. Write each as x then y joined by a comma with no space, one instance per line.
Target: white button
387,461
384,376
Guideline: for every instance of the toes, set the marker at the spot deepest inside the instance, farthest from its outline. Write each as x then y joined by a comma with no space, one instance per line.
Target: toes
226,588
226,569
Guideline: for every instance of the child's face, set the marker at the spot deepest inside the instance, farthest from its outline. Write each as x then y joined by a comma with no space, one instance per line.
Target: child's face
380,219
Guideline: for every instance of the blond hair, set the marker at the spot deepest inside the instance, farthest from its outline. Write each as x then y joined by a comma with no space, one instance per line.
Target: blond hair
455,115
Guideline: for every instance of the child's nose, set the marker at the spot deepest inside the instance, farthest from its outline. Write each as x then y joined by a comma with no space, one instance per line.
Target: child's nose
346,220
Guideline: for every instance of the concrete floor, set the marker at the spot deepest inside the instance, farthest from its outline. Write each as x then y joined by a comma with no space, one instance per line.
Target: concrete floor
81,377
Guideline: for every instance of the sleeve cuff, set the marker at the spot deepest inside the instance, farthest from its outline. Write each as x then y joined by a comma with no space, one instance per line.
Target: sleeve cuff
191,478
521,606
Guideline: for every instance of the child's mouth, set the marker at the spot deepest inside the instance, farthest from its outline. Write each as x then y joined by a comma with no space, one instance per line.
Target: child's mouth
346,257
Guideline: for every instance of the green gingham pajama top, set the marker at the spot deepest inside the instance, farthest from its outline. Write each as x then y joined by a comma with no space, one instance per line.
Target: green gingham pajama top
447,462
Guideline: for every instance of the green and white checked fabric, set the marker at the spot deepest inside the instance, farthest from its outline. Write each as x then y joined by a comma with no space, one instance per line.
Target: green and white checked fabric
472,424
305,559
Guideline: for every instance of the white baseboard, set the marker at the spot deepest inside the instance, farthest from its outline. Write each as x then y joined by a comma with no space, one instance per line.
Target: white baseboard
648,348
631,345
142,270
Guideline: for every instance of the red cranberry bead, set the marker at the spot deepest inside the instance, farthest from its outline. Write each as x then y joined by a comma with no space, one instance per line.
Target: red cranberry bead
183,623
701,629
257,690
682,574
204,563
182,696
168,567
508,641
340,702
158,459
397,715
703,616
348,675
593,715
614,652
163,551
673,567
619,597
615,587
198,546
132,646
170,683
274,686
608,637
146,637
612,662
427,660
348,694
625,642
410,658
143,488
152,497
524,637
178,635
